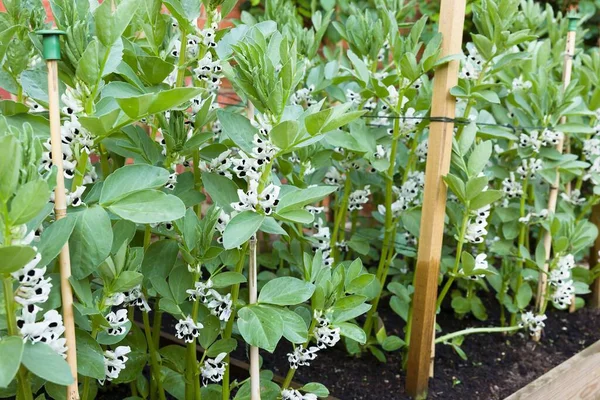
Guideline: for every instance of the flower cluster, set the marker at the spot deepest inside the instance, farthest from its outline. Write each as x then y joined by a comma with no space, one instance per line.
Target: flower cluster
218,304
33,288
267,199
323,242
560,279
476,230
358,198
213,369
48,330
473,64
293,394
325,335
114,362
116,322
535,323
187,329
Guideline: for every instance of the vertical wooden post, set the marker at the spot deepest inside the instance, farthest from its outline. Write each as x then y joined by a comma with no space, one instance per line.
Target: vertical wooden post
52,55
553,195
595,258
253,295
434,202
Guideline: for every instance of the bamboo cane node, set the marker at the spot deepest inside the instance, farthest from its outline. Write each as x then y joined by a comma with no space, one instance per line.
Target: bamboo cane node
60,212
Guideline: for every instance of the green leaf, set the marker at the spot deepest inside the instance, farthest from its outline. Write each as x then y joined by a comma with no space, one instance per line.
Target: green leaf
299,198
457,186
126,281
485,198
238,128
315,388
90,241
294,327
461,305
360,67
284,134
10,164
221,346
148,206
271,226
13,258
475,186
54,238
98,61
286,291
222,190
11,348
130,179
30,199
260,326
241,228
138,107
392,343
226,279
524,296
90,356
479,158
210,331
296,216
111,25
352,331
42,361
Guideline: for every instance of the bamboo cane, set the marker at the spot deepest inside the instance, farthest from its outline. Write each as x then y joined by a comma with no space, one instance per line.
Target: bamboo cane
253,294
51,51
553,195
434,203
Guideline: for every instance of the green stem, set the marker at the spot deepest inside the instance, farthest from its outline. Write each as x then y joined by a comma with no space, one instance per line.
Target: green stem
104,162
290,374
181,63
470,331
191,362
23,388
85,392
80,171
461,242
522,237
197,179
235,293
388,236
340,223
154,363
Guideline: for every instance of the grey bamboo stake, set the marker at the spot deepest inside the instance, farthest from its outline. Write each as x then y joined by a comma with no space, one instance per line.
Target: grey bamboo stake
434,202
553,195
51,51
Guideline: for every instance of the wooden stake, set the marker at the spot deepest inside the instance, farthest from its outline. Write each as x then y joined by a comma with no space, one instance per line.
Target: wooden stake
253,295
434,202
553,195
595,258
60,204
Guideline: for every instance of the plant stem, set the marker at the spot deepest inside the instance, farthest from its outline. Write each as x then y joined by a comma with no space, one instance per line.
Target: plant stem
470,331
340,220
104,162
290,374
85,392
23,386
154,363
81,167
461,242
520,263
191,366
388,236
235,293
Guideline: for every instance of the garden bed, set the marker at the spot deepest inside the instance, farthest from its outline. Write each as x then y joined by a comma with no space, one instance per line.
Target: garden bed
497,366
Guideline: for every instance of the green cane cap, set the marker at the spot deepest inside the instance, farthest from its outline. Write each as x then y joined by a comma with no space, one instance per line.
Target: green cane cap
51,43
573,17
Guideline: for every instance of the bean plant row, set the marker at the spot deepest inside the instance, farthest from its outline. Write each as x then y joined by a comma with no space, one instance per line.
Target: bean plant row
187,139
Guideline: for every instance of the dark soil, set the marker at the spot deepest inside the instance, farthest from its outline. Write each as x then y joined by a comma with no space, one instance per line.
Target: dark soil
497,365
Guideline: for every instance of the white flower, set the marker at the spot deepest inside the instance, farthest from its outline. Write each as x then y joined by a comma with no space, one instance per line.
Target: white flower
535,323
116,299
302,356
220,165
247,167
187,329
114,362
475,232
117,321
74,198
220,305
353,96
469,71
200,291
303,96
222,221
333,177
48,331
267,199
551,138
573,198
136,298
519,84
529,167
380,152
213,369
591,148
171,181
33,287
421,150
358,198
71,98
512,188
314,210
326,335
532,140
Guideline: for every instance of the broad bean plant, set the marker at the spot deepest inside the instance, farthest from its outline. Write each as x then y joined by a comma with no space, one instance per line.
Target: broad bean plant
190,145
